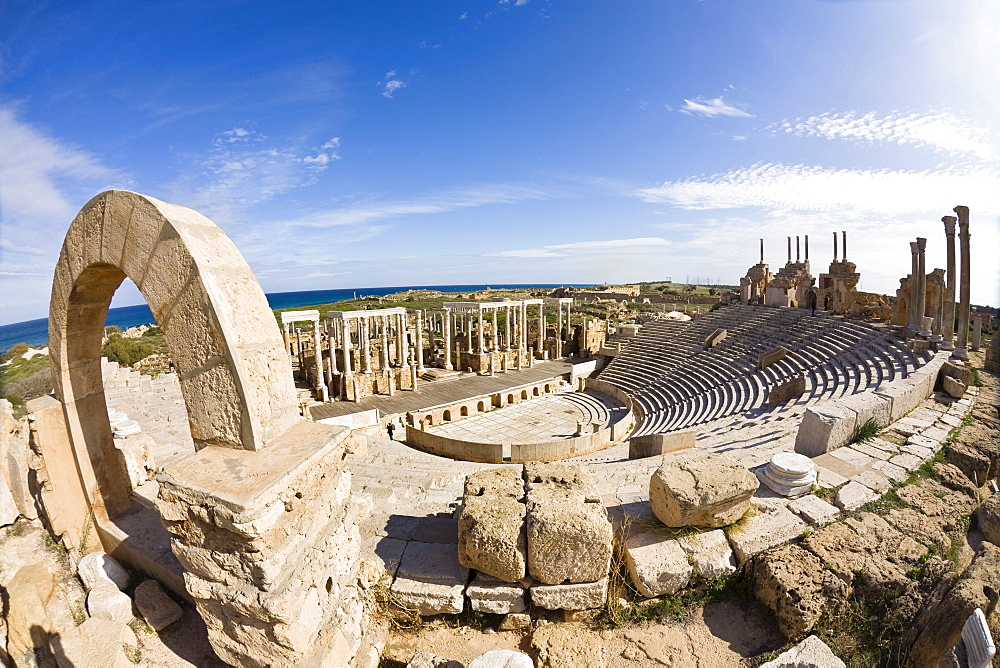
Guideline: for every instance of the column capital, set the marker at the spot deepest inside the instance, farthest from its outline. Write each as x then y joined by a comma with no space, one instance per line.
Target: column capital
921,243
949,224
913,247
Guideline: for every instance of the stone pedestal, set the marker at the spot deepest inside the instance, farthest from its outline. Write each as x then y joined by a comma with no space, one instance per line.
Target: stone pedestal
789,474
269,545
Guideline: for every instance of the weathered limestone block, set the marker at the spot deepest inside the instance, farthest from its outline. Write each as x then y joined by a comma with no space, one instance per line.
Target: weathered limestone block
709,553
709,492
790,389
28,624
853,495
428,660
106,601
988,519
578,596
824,428
656,564
938,626
156,606
506,481
98,642
953,387
269,544
430,579
652,445
18,462
100,566
956,371
810,653
796,587
715,338
549,476
491,536
8,509
813,509
488,594
903,396
770,357
138,455
502,658
763,528
569,539
868,406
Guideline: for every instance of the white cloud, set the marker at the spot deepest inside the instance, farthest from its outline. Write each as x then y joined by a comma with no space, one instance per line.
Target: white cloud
390,87
239,134
804,188
941,131
712,108
612,246
40,174
450,200
7,245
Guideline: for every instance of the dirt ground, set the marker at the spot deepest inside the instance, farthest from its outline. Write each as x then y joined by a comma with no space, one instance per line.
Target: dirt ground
717,635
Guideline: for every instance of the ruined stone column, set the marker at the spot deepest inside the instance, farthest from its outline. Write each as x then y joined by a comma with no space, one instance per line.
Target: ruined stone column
921,298
807,248
948,325
844,249
762,251
287,338
961,345
912,314
789,250
383,324
559,329
798,248
480,333
834,246
496,332
318,361
347,349
446,326
364,341
331,342
541,331
402,345
977,332
420,341
506,328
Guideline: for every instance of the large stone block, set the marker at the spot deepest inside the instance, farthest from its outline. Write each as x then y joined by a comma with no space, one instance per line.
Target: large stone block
953,387
506,481
709,553
569,539
579,596
763,528
156,607
824,428
488,594
502,658
98,642
28,623
988,519
106,601
430,579
8,509
795,586
957,371
709,492
869,406
652,445
810,653
791,389
100,566
656,564
491,536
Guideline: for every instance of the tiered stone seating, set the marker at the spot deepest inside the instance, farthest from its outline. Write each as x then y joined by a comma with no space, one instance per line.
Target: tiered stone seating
677,384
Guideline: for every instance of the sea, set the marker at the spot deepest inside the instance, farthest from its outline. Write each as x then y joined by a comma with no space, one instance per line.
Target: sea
36,332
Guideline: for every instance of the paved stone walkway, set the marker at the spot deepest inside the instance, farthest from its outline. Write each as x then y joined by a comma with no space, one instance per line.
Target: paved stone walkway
445,391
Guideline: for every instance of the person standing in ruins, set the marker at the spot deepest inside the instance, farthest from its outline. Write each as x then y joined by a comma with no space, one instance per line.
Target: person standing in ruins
389,428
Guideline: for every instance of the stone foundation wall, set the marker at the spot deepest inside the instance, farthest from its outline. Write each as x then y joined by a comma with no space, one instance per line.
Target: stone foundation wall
269,544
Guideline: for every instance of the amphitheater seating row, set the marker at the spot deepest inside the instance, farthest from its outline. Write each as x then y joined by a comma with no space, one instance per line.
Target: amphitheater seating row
677,384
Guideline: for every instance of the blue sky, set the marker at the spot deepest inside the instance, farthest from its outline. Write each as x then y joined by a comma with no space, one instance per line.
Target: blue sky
392,143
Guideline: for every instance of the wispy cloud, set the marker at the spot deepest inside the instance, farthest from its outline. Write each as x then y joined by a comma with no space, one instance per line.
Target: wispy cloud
391,84
637,245
712,108
939,131
7,245
449,200
805,188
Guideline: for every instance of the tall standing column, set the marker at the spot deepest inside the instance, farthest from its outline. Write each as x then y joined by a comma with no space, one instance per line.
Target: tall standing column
762,251
789,250
977,332
288,339
524,326
479,337
911,311
383,322
559,328
496,332
318,360
364,341
446,326
921,300
834,246
347,348
807,248
961,345
948,325
331,342
404,342
506,327
798,250
420,341
844,249
541,331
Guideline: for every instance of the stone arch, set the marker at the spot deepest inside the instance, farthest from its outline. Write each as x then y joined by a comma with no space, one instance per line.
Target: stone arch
446,416
510,398
524,394
464,412
234,373
481,407
534,391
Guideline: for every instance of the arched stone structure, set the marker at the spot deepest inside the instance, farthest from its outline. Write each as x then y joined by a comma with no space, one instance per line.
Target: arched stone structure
232,513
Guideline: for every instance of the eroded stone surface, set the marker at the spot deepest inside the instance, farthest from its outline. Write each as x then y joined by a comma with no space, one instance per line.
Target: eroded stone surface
491,536
709,553
488,594
430,579
580,596
98,566
155,606
98,642
709,492
810,653
657,564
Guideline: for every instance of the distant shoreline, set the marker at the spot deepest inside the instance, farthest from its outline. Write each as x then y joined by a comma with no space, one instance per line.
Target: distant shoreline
36,332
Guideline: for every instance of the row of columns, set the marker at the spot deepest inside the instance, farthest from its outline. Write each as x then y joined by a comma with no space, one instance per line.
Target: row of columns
945,308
